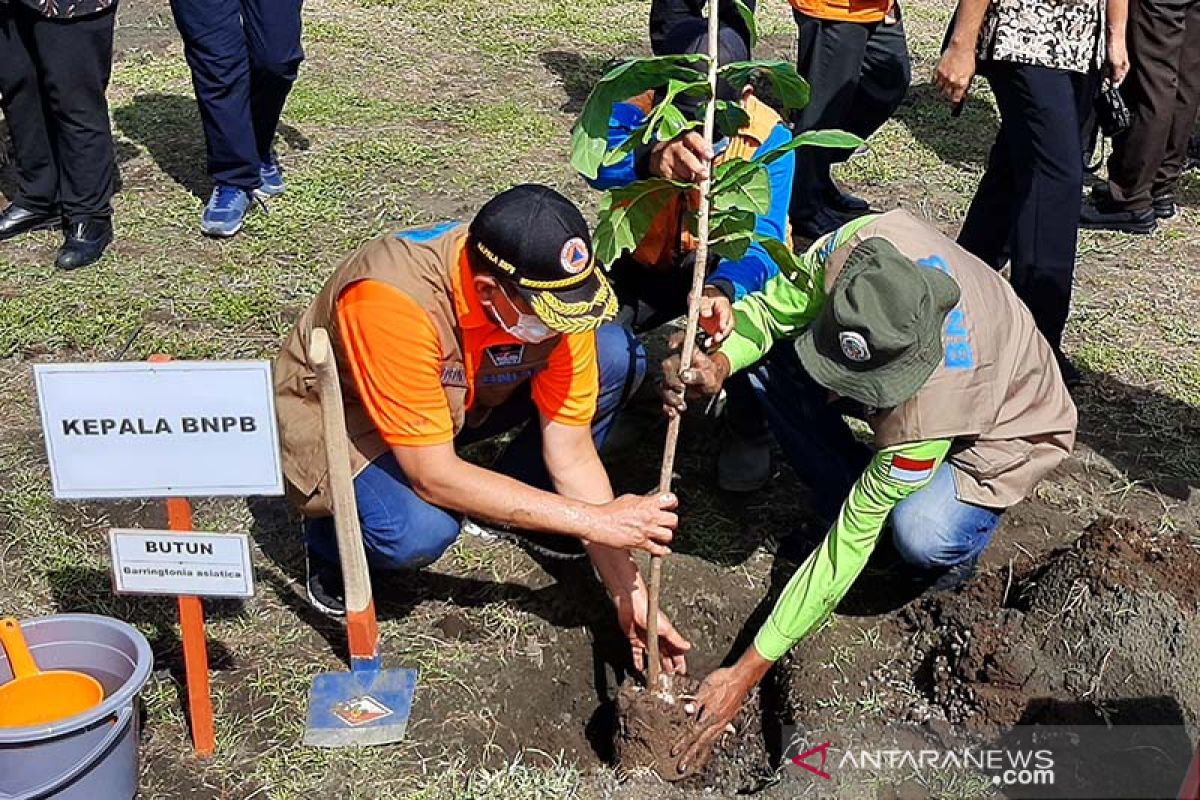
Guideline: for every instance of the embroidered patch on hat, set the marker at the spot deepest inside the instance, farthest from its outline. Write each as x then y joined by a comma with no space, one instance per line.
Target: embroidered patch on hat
854,346
574,256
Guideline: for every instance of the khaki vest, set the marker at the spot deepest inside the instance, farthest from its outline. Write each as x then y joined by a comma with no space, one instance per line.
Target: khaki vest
424,267
998,392
668,236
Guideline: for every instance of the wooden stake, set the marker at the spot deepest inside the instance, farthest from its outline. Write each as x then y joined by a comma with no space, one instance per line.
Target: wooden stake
195,647
689,342
191,630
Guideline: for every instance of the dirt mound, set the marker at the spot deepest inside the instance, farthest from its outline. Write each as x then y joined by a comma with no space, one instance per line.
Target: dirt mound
1107,627
648,726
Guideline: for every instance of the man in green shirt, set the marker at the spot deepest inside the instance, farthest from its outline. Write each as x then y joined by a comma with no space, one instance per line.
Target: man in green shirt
903,329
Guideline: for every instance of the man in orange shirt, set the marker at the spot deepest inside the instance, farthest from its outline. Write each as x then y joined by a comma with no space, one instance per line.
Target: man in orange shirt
449,335
855,56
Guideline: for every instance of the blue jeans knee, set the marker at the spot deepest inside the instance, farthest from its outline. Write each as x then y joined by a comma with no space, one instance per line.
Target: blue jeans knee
400,530
934,530
622,366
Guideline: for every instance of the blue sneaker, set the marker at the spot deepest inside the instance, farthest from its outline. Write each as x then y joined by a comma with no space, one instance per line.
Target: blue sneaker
272,179
226,211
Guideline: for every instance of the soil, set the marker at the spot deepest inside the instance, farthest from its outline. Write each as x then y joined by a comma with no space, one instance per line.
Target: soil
1103,629
650,724
143,26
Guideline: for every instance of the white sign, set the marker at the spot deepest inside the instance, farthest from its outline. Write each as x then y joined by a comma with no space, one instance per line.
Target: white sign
170,562
176,429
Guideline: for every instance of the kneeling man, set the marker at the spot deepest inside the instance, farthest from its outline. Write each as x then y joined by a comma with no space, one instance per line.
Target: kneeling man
906,331
449,335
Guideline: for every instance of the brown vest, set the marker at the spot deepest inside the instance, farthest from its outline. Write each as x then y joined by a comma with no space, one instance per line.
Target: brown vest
668,236
422,264
998,392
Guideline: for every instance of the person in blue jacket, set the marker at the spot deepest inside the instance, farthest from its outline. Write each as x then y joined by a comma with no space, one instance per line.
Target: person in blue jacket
652,283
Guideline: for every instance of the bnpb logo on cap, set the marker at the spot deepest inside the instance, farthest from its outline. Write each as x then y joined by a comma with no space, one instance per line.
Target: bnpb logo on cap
574,256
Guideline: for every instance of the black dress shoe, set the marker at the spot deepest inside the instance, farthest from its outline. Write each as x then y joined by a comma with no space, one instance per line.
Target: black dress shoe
846,203
1164,204
1071,375
15,220
826,220
1101,217
85,243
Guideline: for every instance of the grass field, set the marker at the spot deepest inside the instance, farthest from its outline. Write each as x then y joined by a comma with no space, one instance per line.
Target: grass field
415,111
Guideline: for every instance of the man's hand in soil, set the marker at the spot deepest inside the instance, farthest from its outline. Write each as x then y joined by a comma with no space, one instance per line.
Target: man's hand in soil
717,702
631,616
634,522
704,378
684,158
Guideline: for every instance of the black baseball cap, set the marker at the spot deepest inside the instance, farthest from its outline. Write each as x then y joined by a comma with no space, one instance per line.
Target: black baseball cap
538,241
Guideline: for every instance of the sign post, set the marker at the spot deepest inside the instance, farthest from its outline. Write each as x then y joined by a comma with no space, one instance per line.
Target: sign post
195,646
169,429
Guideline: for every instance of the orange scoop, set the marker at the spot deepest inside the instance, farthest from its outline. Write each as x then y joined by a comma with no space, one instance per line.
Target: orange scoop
34,697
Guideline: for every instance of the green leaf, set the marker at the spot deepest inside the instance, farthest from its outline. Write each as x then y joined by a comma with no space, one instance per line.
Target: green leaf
791,266
731,117
731,232
792,90
638,137
747,16
732,247
829,138
627,213
743,185
672,122
730,222
589,138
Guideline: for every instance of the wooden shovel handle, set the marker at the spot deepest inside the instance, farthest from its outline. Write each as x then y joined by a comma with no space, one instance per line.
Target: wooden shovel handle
19,657
341,482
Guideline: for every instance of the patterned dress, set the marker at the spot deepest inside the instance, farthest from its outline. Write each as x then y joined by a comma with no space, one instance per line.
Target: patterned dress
67,9
1059,34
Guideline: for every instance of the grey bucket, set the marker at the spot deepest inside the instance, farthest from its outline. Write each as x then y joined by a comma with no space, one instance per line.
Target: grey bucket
94,755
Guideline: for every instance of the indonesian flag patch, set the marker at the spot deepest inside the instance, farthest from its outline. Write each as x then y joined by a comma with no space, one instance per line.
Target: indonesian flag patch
911,470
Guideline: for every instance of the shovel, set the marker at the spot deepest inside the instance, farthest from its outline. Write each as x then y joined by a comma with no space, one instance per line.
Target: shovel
367,705
36,697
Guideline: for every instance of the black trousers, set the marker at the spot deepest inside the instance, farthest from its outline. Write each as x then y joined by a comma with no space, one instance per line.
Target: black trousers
1163,93
859,73
244,56
1026,209
666,14
53,75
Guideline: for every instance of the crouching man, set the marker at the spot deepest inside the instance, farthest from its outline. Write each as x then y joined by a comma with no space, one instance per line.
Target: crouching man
906,331
449,335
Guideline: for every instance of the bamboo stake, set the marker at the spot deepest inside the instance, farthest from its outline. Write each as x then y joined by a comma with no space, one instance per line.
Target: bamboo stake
689,342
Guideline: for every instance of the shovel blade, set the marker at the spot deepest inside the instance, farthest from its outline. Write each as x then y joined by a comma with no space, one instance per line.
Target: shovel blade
359,708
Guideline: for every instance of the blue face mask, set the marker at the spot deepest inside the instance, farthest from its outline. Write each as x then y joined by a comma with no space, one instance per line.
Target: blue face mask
528,328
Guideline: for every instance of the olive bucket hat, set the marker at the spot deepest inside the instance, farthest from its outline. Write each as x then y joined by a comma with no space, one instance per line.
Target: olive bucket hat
879,336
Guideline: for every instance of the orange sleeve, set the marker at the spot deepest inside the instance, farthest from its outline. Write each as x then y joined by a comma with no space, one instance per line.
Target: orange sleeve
395,357
567,389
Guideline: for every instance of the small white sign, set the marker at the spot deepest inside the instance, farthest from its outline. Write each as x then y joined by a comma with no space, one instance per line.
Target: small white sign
176,429
170,562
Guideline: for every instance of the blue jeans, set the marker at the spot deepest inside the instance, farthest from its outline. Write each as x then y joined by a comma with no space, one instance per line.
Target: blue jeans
400,530
932,529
